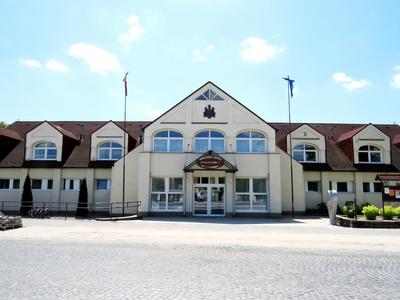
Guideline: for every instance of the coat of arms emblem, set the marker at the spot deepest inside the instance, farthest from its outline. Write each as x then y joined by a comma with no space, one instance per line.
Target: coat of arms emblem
209,112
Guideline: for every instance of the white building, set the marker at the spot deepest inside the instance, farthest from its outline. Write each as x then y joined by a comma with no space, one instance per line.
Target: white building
208,155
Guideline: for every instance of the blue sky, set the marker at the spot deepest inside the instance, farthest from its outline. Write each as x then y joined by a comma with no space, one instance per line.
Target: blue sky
65,60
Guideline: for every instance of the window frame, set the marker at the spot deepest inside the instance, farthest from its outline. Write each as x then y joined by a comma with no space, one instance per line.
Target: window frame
168,139
110,150
369,153
318,186
102,179
167,192
250,140
76,183
46,149
252,195
209,140
11,183
304,151
46,184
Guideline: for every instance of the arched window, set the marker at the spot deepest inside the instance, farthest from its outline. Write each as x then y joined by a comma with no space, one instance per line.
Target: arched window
305,153
209,140
45,151
369,154
250,141
168,141
109,151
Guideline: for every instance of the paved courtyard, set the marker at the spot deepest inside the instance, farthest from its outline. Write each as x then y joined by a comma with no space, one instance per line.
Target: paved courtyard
196,258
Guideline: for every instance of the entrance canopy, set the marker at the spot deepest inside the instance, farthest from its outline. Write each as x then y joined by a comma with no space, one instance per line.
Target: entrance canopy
210,161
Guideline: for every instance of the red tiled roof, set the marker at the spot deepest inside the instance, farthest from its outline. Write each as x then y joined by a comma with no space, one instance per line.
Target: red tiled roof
79,156
10,134
338,158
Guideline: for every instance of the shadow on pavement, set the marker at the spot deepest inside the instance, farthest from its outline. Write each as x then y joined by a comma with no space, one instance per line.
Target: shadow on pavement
229,220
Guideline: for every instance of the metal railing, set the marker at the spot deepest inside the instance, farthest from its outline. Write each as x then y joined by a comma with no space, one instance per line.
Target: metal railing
68,209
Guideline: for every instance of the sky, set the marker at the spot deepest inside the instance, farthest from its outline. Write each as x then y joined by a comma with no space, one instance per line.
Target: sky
65,60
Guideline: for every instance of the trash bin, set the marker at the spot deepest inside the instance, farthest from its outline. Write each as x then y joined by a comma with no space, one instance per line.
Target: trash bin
331,204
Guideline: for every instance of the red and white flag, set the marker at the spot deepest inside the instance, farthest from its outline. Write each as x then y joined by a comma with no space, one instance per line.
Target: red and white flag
125,80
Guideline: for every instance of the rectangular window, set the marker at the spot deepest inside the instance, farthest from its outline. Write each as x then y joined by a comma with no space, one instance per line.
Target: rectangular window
71,184
366,187
377,187
251,194
176,145
201,145
342,187
42,184
4,184
50,184
15,184
102,184
167,193
313,186
217,145
36,184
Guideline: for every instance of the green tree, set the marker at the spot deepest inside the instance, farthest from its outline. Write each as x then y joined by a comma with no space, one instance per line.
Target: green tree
3,124
82,208
26,198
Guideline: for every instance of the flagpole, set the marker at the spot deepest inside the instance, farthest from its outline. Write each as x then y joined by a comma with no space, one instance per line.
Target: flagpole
125,148
290,143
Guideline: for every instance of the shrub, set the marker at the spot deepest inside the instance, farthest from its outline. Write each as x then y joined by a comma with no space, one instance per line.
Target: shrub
397,211
348,210
389,212
322,207
26,198
370,212
82,209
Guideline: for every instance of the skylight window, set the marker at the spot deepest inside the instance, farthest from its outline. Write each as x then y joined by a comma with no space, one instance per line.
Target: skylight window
209,95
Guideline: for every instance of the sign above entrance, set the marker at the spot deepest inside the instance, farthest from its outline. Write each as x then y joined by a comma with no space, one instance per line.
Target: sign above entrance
210,162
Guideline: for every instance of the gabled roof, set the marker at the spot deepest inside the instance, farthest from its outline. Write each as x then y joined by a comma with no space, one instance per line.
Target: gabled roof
335,135
80,155
200,88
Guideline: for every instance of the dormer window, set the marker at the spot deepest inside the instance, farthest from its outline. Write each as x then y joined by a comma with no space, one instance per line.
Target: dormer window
109,151
305,153
209,95
45,151
369,154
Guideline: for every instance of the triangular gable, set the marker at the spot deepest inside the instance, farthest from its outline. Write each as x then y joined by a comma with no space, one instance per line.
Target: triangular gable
210,161
218,91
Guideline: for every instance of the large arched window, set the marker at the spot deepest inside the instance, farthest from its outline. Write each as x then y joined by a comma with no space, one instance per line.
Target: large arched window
109,151
305,153
45,151
209,140
250,141
369,154
168,141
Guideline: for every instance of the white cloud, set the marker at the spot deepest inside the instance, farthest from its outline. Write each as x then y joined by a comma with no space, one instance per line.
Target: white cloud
255,49
30,63
116,93
200,55
397,68
99,60
134,32
56,66
395,81
349,83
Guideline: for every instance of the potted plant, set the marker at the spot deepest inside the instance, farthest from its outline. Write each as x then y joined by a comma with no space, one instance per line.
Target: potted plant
370,212
388,213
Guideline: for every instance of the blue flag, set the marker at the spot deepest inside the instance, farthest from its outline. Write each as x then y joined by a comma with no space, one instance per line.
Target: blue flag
290,84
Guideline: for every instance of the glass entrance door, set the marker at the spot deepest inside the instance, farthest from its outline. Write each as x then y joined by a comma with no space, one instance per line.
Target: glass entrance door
209,200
